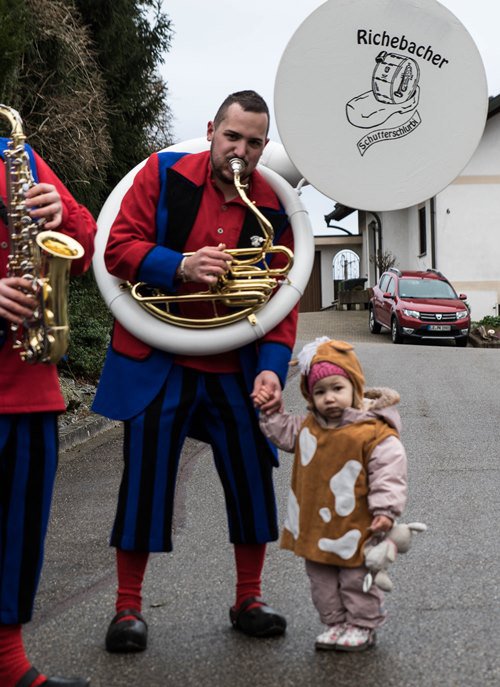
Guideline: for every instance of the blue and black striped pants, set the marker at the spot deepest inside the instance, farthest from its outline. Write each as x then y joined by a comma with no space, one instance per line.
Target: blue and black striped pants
215,408
28,464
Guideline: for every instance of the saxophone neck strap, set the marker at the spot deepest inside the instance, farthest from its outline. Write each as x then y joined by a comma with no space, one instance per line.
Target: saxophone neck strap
3,207
4,144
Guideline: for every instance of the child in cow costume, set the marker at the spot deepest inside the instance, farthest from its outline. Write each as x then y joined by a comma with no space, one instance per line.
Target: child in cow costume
349,483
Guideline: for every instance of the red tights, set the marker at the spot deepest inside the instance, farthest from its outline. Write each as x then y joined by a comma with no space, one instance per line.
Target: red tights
249,563
13,661
131,566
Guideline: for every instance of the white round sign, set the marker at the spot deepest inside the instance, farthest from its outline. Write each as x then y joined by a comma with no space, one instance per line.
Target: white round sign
381,103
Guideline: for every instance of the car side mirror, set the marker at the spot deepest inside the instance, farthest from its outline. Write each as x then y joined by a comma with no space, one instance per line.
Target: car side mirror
388,295
463,297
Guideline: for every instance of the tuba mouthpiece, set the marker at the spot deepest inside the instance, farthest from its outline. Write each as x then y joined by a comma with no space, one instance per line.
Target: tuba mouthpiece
237,165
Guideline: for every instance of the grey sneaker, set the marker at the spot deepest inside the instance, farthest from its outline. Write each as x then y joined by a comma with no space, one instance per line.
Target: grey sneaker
328,639
355,638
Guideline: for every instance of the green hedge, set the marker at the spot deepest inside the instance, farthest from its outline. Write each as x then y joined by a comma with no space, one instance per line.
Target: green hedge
490,321
90,326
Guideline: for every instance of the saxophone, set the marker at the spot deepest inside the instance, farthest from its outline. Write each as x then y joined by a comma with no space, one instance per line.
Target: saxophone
42,257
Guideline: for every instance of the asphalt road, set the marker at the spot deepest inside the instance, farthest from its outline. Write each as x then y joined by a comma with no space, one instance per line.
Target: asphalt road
444,614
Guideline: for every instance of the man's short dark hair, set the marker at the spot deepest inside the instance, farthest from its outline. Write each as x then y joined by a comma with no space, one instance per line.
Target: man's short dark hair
249,101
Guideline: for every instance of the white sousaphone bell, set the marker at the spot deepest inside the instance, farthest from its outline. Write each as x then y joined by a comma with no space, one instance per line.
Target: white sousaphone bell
390,96
280,173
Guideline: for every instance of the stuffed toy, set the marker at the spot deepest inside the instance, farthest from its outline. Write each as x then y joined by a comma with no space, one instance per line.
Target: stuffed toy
379,556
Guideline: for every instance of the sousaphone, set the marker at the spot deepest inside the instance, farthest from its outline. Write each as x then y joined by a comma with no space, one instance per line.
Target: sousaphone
144,319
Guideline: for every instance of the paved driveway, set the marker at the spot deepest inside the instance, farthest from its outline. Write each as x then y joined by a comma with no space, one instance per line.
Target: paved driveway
444,613
349,325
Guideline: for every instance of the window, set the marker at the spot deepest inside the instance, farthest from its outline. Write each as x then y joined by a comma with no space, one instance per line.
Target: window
422,230
346,265
383,282
425,288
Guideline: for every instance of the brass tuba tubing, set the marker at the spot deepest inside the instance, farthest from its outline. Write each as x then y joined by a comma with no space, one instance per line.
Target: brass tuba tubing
237,166
248,272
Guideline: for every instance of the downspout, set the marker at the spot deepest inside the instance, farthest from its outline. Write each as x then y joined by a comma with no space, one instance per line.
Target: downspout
379,241
379,230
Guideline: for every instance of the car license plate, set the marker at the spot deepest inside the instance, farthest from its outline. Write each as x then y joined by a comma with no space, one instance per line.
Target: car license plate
439,327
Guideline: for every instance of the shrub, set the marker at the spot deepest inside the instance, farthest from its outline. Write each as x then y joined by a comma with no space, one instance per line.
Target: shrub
383,260
490,322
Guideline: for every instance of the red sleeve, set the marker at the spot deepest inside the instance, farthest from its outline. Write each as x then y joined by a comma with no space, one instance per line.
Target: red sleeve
77,221
133,234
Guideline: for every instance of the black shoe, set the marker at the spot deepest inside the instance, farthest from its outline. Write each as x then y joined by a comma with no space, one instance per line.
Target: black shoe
30,676
127,636
261,621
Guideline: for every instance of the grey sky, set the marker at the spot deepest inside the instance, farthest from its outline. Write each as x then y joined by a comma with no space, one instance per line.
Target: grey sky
224,46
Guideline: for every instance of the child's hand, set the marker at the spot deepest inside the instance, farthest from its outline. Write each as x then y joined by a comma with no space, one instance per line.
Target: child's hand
381,523
266,393
263,395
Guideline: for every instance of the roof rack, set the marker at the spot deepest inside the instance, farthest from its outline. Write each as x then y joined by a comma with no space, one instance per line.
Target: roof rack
395,270
431,269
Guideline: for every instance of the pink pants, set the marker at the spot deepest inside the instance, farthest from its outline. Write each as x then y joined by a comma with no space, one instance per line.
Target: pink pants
338,596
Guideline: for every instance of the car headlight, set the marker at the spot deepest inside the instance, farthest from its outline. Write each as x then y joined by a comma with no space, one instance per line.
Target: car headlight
462,314
411,313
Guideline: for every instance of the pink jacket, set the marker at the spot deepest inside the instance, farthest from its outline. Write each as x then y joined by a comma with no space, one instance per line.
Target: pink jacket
387,465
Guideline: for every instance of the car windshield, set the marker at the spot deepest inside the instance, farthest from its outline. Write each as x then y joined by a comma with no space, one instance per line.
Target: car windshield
425,288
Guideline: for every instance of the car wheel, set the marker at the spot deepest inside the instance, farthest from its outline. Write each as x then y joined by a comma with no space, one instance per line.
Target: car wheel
395,333
462,341
374,326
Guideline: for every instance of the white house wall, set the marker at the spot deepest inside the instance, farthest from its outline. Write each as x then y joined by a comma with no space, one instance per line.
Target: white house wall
396,236
485,159
468,244
468,227
327,256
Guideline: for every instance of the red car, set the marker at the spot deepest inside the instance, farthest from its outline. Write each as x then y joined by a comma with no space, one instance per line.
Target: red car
419,305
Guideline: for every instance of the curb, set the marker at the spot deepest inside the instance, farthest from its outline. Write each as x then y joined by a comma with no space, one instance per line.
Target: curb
478,342
71,436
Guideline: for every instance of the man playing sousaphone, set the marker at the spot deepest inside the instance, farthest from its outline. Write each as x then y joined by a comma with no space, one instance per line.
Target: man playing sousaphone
175,230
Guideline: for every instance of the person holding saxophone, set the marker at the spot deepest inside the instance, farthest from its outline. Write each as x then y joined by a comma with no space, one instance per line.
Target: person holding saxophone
30,400
176,228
